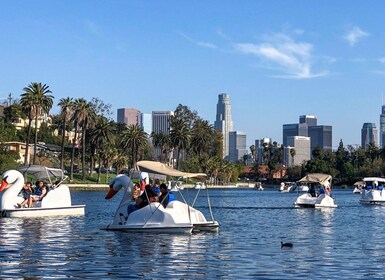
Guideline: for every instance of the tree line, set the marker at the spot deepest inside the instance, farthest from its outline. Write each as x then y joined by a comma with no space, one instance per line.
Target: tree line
193,145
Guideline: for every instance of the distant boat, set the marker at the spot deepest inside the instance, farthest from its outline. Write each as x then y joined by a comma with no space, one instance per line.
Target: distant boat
258,186
319,192
358,186
374,192
200,186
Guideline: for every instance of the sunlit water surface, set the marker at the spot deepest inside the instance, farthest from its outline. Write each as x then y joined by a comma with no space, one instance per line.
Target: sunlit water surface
347,242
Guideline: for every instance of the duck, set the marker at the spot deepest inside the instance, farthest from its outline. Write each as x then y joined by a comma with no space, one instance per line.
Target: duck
286,245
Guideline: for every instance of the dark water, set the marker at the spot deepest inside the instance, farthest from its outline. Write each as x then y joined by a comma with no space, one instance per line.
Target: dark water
346,243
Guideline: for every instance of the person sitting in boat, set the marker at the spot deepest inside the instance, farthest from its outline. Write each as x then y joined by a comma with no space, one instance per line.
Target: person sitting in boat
156,187
136,191
26,192
166,197
312,190
143,200
40,192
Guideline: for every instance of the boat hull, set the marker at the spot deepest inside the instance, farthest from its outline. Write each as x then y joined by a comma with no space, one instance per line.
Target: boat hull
373,197
212,226
75,210
180,229
308,201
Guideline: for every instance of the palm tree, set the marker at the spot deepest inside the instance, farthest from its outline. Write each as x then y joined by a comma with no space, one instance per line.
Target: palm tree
66,111
42,103
293,152
134,139
180,137
102,133
201,133
85,114
27,102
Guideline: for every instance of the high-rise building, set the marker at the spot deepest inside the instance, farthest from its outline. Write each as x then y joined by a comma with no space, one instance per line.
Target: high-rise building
320,135
237,146
223,121
161,122
128,116
310,120
301,145
259,148
369,135
146,122
295,129
382,127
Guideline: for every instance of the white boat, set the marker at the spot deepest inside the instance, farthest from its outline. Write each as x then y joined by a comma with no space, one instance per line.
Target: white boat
200,186
358,186
57,201
319,194
175,186
374,192
177,217
258,186
287,187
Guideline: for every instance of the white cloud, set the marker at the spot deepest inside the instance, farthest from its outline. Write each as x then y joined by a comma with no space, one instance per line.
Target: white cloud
354,35
293,58
199,43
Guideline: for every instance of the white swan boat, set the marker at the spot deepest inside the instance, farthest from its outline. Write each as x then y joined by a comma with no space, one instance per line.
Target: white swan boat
358,186
374,192
319,192
200,186
177,217
57,201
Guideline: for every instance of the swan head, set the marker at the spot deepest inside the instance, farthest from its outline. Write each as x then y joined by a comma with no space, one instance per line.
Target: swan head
116,184
9,178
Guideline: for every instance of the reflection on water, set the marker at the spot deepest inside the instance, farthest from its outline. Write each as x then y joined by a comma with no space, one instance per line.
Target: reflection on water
328,243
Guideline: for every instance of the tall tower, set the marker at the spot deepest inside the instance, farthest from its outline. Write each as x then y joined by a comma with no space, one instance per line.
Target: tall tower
382,127
369,135
223,121
128,116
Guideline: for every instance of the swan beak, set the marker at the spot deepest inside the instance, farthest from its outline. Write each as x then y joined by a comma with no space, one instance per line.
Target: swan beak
111,193
4,184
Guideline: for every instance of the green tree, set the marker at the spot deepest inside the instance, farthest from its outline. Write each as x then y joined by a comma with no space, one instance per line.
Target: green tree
42,103
180,137
134,140
201,133
66,111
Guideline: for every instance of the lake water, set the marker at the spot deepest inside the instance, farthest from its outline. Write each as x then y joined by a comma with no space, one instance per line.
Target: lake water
347,242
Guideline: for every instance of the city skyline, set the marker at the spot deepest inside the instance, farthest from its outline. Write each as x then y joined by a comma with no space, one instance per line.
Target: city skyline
276,59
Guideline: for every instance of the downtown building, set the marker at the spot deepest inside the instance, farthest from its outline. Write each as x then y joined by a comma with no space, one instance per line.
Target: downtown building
161,122
237,146
382,127
369,135
301,145
223,121
319,136
128,116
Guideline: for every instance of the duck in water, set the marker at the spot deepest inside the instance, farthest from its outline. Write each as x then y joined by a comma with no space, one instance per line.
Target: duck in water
286,245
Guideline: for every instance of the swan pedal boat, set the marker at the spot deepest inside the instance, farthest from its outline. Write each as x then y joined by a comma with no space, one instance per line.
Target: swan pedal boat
177,217
307,200
373,192
56,202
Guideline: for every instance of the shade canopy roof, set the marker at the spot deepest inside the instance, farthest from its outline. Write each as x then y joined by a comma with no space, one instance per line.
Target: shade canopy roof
41,172
161,168
323,179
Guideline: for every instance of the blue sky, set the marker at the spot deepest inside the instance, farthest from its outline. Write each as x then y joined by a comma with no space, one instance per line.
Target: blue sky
277,59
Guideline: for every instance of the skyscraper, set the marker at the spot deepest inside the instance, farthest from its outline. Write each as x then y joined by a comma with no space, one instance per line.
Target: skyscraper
128,116
223,121
369,135
320,135
237,146
161,122
301,145
382,127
